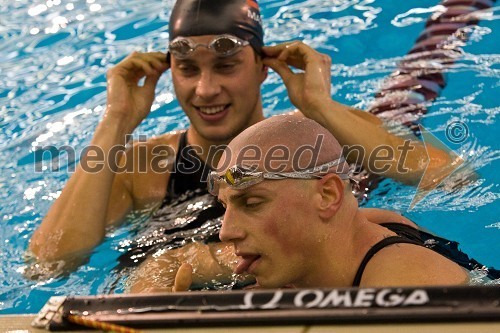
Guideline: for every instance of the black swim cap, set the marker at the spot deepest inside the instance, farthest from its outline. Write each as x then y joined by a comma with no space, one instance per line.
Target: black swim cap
240,18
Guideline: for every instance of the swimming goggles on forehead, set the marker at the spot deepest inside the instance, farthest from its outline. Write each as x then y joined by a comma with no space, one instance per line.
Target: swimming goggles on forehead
240,177
223,46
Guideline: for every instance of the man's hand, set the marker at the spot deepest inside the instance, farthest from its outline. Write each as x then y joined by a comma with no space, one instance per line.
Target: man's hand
183,278
126,99
195,264
308,90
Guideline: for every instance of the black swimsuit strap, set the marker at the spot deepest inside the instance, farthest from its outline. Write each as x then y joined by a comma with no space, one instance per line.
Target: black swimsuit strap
182,141
178,157
374,249
190,172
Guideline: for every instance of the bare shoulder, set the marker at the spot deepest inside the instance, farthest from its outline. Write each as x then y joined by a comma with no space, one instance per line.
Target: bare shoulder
412,265
379,216
148,166
170,139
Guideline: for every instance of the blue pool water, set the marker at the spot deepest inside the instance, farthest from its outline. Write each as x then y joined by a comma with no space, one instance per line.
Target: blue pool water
54,56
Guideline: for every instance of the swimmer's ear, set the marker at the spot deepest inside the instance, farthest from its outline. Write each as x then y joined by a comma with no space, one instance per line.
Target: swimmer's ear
331,190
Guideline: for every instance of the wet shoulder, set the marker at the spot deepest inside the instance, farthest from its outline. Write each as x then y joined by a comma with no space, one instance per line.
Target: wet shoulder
152,161
412,265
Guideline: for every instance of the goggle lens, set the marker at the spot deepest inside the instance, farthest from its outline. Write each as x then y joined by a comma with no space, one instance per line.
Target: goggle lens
233,177
180,47
223,46
230,178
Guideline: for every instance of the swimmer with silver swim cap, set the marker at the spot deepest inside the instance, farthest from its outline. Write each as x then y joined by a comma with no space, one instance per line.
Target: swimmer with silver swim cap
236,23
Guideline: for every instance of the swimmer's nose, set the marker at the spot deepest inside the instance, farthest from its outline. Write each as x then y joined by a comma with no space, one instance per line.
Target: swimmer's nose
207,86
230,231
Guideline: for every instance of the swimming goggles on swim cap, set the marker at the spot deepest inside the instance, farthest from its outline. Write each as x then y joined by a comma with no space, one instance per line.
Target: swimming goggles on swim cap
240,177
222,45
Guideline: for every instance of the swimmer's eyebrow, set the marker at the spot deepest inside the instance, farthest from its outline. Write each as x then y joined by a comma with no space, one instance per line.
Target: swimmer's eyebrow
232,197
217,60
185,61
236,56
245,193
237,196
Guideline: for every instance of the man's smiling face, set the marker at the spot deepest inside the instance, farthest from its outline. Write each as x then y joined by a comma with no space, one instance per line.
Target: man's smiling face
220,95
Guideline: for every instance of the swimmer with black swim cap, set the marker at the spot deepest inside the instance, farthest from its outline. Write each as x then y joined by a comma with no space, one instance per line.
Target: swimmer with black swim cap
236,23
221,97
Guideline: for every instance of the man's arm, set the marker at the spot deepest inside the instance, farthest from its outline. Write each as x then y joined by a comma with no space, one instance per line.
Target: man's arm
195,264
309,91
94,196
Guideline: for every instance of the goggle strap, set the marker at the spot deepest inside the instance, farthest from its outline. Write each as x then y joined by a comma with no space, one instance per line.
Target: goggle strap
248,178
298,174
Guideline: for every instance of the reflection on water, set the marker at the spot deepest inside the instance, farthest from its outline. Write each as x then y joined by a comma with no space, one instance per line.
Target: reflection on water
192,217
53,59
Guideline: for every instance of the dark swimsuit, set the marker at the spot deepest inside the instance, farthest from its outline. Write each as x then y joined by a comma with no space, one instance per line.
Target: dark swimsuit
188,211
190,173
409,235
188,181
